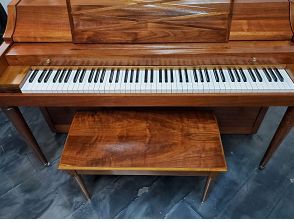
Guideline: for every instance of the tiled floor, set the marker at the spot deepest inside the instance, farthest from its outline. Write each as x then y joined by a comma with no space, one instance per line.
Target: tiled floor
29,190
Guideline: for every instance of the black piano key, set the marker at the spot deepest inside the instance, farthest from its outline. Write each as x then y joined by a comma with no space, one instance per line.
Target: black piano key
111,75
258,75
137,75
195,75
201,75
146,76
151,76
267,75
186,75
117,76
160,75
222,75
41,77
76,76
97,73
281,78
206,75
273,75
56,75
126,76
91,76
102,76
171,75
166,75
215,75
180,75
32,77
82,76
237,75
67,76
132,75
252,75
48,75
231,75
243,75
62,75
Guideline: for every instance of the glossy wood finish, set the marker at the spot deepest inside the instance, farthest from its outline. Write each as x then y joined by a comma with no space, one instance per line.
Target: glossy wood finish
10,27
284,128
232,53
131,21
261,20
148,100
21,126
251,20
12,77
42,21
231,120
139,140
143,143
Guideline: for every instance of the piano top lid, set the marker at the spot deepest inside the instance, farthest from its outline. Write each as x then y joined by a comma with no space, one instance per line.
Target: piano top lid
148,21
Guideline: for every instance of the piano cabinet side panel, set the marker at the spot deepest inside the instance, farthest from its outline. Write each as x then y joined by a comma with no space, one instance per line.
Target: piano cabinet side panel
232,120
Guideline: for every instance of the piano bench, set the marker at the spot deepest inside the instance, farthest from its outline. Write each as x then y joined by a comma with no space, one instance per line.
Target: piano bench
118,142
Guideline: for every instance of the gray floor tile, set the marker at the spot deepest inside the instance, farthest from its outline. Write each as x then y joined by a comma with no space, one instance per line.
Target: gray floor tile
30,190
182,210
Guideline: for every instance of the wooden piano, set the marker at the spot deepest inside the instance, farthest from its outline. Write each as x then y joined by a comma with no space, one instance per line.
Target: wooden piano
234,57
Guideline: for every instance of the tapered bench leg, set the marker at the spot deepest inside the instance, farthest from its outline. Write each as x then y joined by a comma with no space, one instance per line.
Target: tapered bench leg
79,180
209,181
16,118
282,131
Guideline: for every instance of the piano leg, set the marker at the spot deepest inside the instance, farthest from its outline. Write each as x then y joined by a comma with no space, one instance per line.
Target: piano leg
282,131
15,116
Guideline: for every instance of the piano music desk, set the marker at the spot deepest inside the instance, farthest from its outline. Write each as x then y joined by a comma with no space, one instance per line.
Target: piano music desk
156,142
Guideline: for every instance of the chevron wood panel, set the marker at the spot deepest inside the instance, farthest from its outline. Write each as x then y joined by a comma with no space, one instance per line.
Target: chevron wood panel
149,21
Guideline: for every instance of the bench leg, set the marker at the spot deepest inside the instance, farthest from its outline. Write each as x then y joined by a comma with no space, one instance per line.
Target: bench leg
77,177
210,178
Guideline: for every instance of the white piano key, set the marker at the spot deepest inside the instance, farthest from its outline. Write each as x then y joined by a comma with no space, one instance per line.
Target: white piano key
70,83
190,84
86,86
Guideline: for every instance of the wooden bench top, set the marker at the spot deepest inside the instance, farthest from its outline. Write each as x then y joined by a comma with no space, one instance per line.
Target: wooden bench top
141,141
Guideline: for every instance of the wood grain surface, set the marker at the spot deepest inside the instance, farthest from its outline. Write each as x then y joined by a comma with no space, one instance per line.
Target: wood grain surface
42,21
159,21
232,53
261,20
138,140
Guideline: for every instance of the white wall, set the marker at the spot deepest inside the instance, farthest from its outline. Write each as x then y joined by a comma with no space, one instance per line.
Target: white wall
5,3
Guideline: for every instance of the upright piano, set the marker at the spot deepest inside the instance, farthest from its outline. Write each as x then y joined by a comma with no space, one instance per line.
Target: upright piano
234,57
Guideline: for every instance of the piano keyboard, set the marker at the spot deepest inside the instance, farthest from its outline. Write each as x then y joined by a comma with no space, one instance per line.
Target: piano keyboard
180,80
